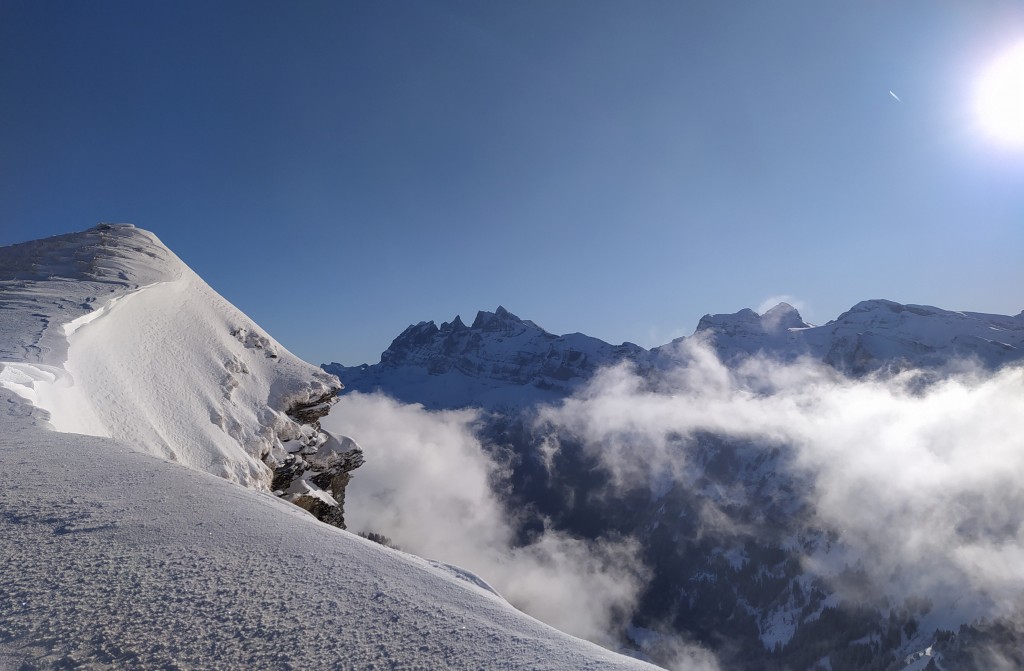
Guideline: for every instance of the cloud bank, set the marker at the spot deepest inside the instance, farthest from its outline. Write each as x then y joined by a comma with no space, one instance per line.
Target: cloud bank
922,482
427,484
920,479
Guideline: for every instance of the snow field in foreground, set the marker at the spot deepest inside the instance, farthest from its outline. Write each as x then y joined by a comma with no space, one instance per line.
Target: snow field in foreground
116,559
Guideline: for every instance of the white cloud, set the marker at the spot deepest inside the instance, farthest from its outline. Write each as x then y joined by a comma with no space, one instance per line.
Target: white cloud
923,482
427,485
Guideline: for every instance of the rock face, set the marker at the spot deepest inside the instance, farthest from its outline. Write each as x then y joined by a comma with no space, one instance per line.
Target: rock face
315,471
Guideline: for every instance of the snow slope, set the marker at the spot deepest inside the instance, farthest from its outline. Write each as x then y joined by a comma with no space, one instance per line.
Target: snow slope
146,564
115,557
110,334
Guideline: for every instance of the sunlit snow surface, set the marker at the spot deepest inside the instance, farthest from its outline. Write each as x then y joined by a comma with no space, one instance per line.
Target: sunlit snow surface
114,557
110,334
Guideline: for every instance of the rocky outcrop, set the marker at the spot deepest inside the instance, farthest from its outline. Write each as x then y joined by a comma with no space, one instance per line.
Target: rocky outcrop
317,466
311,412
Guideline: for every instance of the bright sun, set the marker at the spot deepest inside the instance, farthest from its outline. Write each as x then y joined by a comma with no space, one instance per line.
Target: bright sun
1000,97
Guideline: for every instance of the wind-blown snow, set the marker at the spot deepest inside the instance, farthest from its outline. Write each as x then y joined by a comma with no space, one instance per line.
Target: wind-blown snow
114,557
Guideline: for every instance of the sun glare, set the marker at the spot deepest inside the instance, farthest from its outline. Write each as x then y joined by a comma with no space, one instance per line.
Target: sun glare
1000,97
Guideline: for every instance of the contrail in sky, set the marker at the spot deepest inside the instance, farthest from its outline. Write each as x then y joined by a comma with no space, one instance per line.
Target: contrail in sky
895,96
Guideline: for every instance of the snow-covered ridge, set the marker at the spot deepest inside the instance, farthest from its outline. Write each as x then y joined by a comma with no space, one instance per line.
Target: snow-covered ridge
872,335
108,333
878,332
63,277
117,558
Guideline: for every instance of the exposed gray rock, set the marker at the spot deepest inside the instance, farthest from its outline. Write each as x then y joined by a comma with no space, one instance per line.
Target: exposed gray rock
316,471
312,412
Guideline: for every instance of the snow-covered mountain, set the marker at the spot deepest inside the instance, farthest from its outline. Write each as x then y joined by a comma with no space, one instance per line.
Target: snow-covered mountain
871,335
499,361
502,361
145,427
85,316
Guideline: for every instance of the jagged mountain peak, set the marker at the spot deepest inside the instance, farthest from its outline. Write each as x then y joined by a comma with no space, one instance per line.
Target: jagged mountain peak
413,334
731,320
500,320
499,360
454,325
500,323
783,316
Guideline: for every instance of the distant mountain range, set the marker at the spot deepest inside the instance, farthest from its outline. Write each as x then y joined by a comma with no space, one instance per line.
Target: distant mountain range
502,361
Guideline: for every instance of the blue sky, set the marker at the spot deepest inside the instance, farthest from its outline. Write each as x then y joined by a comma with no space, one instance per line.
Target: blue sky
339,170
